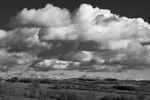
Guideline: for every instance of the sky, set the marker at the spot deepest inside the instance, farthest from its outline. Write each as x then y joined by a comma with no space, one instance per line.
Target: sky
100,36
130,8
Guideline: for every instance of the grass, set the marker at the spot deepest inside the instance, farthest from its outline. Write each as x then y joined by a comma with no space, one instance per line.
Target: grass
36,90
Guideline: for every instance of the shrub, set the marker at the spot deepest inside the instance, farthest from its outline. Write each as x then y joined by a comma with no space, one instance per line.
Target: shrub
124,87
110,79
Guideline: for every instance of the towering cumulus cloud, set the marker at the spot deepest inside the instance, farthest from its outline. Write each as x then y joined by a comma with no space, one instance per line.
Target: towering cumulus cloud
102,26
48,16
91,35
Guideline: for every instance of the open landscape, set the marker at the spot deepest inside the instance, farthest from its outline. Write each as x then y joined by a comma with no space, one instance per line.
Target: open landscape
74,49
74,89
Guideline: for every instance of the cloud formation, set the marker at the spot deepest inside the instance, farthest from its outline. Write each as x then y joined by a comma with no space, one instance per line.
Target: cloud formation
58,33
47,16
3,34
21,39
102,26
97,38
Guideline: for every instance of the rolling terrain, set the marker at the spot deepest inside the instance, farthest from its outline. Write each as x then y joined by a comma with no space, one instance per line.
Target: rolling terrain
74,89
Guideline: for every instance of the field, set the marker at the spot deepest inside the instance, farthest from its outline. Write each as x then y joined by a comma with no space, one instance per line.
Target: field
74,89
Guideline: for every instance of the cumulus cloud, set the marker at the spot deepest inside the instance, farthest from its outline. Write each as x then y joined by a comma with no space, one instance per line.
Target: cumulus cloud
54,22
136,56
47,16
54,64
58,33
103,26
3,34
118,35
21,39
92,35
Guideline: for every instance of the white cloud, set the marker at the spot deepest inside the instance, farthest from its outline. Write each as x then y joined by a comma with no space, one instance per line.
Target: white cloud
102,26
47,16
117,38
81,56
58,33
55,64
3,34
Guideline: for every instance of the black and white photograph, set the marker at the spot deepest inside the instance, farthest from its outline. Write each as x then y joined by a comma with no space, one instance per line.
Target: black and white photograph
74,49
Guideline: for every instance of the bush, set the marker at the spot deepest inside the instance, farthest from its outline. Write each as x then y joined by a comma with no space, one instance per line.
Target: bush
123,87
110,79
25,80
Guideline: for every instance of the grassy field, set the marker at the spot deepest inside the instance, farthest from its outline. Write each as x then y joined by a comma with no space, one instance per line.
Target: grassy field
74,89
